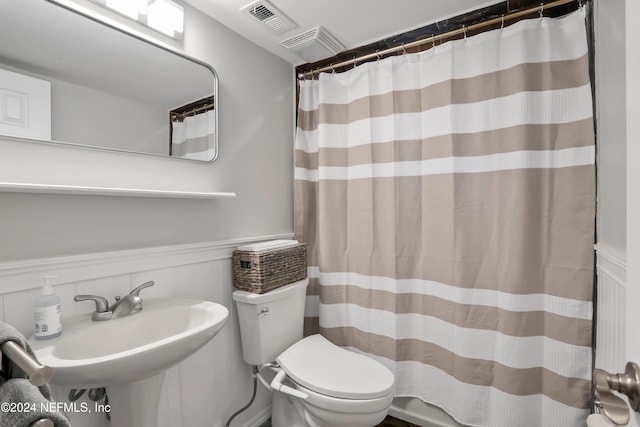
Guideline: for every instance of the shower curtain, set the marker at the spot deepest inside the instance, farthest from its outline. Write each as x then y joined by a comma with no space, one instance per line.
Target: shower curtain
191,137
447,199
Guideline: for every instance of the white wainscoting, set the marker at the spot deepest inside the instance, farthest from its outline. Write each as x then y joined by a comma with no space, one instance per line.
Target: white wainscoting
610,347
202,391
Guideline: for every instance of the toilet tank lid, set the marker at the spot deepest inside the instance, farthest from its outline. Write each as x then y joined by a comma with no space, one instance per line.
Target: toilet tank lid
321,366
278,293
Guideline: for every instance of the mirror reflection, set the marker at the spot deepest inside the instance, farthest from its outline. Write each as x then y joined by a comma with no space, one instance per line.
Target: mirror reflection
65,78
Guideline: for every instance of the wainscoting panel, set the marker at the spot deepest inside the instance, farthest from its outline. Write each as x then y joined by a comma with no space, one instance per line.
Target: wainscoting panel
202,391
610,316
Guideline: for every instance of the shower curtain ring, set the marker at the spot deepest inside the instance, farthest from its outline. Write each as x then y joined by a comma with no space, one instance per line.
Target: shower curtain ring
333,70
404,51
433,41
464,28
541,10
502,23
377,55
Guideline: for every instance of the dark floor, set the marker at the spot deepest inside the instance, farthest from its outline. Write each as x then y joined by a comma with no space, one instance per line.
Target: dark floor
388,422
394,422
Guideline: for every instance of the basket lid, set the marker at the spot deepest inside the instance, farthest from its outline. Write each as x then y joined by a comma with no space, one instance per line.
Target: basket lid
271,245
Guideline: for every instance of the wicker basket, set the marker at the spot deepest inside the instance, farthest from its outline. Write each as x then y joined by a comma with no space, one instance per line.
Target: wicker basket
260,272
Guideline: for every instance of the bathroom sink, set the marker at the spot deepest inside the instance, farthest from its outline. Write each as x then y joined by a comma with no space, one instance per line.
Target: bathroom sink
127,349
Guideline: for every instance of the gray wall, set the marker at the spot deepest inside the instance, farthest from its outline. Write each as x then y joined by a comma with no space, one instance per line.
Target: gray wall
255,136
83,115
611,120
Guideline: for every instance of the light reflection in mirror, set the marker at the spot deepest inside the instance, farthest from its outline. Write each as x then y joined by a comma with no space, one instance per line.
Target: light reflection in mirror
108,89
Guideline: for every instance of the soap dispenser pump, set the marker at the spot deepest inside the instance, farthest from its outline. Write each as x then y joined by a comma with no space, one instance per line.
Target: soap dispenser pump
47,312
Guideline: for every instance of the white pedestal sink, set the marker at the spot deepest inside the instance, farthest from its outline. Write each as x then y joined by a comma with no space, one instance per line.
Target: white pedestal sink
129,355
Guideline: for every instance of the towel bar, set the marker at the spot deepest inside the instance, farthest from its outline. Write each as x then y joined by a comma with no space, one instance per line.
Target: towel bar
38,373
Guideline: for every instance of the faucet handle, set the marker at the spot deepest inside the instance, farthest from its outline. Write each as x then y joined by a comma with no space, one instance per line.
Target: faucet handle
136,291
102,305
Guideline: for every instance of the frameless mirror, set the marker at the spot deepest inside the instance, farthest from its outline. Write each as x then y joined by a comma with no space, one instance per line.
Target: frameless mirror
68,78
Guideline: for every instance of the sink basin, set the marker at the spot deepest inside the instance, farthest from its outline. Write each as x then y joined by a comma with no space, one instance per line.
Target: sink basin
96,354
129,355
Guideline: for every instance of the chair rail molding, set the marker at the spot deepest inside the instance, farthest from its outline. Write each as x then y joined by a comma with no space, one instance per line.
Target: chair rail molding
612,263
27,274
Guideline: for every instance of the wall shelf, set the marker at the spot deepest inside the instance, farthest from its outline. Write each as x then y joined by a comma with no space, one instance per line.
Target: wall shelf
15,187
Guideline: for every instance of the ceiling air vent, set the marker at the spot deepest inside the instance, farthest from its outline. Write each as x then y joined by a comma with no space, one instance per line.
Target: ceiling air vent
270,16
314,45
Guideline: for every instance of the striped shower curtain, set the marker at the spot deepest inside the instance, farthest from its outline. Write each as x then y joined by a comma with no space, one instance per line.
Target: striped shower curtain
448,199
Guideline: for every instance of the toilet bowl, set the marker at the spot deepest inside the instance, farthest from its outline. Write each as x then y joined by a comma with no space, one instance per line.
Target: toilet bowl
316,383
341,387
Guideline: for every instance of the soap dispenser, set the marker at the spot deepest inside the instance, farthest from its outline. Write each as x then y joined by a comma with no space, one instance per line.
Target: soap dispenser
47,312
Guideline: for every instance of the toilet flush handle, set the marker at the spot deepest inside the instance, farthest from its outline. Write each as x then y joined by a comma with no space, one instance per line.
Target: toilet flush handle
277,385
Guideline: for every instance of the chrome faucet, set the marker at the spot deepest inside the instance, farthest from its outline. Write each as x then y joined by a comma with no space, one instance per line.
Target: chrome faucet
129,304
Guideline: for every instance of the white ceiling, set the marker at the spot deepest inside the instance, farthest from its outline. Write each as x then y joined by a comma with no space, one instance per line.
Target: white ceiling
353,22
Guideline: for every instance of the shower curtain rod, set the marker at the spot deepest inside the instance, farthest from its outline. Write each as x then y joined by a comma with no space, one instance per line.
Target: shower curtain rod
499,20
197,110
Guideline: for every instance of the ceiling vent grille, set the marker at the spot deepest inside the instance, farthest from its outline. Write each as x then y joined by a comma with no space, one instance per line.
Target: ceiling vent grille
270,16
314,45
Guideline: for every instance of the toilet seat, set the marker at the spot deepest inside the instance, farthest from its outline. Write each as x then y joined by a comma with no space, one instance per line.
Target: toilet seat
322,367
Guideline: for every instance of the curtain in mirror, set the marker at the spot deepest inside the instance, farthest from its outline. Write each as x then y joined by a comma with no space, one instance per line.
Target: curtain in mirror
191,137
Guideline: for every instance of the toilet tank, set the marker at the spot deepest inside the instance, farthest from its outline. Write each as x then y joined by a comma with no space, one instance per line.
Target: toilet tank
270,322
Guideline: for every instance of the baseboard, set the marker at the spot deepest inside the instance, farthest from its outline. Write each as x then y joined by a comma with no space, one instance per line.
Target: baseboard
258,418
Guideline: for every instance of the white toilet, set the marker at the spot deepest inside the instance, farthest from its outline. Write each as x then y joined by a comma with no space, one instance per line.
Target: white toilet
317,383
